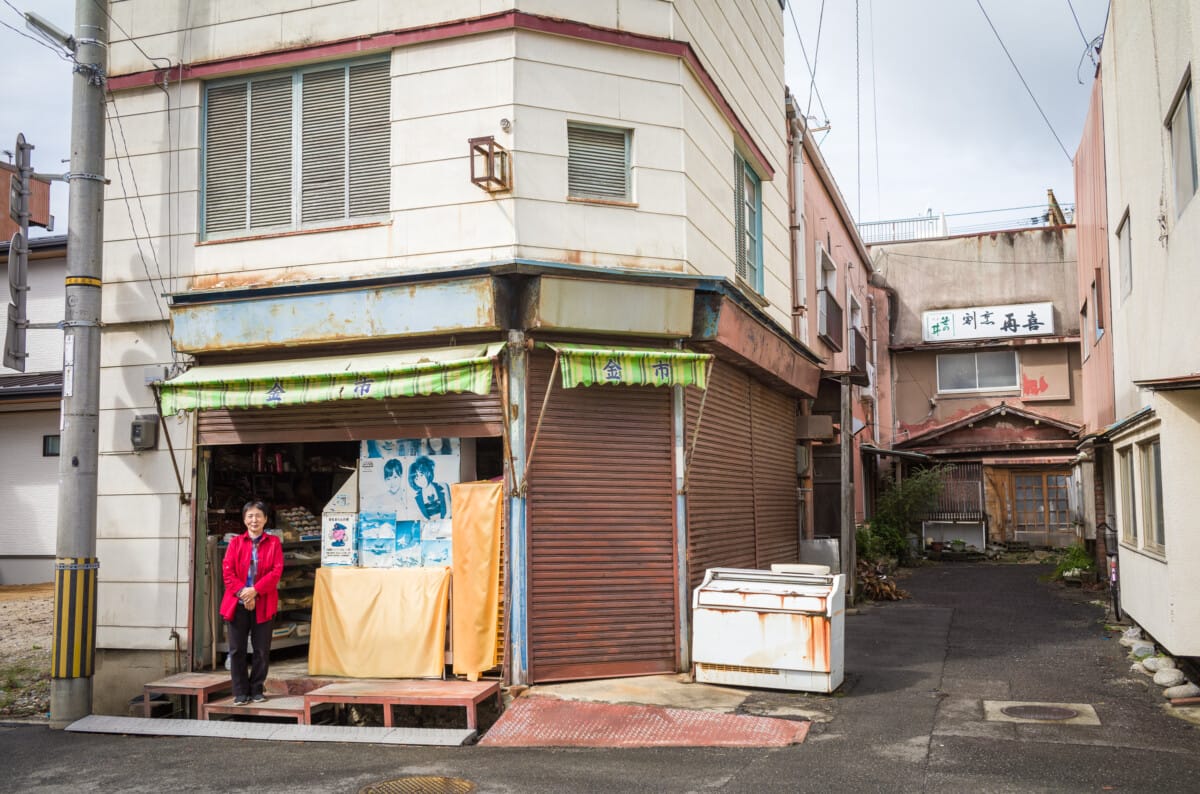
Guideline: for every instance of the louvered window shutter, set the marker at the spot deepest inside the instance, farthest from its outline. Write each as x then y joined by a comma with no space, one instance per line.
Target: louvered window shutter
597,162
370,138
750,188
225,159
739,215
271,152
323,145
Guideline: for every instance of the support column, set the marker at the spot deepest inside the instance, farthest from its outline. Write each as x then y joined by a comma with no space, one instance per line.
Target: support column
846,547
518,570
679,423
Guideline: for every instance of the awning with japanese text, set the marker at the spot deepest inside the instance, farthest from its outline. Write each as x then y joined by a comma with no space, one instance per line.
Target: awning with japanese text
595,366
406,373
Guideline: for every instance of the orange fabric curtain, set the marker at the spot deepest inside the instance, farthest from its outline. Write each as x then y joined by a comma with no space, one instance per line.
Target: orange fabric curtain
476,565
379,622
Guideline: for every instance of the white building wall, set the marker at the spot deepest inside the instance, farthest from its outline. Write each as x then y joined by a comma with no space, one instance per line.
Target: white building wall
44,304
29,493
1148,50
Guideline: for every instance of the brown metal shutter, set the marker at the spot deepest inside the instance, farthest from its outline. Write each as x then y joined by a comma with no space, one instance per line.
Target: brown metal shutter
601,531
773,422
720,500
452,415
742,504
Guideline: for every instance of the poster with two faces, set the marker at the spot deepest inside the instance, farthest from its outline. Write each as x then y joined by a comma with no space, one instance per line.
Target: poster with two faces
404,501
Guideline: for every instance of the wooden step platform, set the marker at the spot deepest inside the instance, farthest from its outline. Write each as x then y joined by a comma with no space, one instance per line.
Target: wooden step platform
286,706
388,693
198,685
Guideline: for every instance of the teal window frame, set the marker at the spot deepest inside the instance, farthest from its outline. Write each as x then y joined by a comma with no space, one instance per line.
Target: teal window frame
748,222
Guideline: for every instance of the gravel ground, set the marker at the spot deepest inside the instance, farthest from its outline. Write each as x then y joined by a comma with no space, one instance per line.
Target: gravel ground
26,628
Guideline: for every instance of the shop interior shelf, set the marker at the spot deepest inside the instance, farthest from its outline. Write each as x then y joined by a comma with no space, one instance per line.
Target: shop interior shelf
276,644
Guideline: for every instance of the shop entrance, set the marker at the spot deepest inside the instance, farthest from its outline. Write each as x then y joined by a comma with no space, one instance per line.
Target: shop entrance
297,480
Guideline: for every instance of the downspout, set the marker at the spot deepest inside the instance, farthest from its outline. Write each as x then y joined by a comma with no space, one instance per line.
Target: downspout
846,547
796,226
518,624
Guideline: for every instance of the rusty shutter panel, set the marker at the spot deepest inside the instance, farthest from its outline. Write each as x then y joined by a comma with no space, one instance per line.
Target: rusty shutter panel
452,415
720,498
601,531
773,422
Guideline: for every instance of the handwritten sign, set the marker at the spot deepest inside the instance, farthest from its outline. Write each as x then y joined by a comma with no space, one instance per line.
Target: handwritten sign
988,322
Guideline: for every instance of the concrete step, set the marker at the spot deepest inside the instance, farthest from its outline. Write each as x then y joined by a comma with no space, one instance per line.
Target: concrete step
232,729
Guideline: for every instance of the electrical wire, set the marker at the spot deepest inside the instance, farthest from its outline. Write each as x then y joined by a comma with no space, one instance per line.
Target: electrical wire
57,51
875,109
972,261
816,55
1027,88
103,6
129,211
804,52
857,112
1075,16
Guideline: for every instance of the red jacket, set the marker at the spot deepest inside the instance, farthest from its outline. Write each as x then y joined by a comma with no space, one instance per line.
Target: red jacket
237,566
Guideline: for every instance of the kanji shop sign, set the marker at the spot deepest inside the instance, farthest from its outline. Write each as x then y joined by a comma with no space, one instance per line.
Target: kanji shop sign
988,322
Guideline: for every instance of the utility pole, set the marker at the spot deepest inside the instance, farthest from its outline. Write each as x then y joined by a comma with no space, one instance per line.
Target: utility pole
76,567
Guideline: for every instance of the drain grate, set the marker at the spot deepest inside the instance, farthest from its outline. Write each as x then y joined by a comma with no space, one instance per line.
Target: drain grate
420,784
1049,713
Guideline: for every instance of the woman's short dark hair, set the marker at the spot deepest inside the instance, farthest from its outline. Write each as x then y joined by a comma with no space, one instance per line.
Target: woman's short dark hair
256,503
423,465
393,468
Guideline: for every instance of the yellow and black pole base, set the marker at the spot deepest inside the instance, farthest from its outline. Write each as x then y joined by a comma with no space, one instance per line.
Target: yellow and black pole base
73,653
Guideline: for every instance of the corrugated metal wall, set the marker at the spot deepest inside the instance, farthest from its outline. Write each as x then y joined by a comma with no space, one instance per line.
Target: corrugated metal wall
601,531
445,415
742,499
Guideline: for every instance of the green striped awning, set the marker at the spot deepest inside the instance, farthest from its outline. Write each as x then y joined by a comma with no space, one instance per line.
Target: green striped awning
406,373
595,366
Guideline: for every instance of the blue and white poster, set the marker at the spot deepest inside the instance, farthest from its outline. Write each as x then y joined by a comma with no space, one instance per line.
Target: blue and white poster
408,481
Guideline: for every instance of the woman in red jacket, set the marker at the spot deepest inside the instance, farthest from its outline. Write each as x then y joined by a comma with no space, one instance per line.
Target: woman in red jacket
252,567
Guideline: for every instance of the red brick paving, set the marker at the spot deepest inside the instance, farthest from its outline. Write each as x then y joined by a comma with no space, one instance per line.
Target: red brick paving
549,722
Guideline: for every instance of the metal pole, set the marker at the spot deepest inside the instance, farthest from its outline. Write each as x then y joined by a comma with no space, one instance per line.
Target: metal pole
679,430
76,566
847,543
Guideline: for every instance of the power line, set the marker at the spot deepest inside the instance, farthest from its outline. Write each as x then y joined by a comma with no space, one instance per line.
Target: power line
103,6
875,107
804,52
857,111
34,39
1075,16
816,55
972,261
1027,88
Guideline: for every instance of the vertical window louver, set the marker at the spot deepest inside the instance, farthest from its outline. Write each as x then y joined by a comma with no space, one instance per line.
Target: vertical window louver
597,162
285,150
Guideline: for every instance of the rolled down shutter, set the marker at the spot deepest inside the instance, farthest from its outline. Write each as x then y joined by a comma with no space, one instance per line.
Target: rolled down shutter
776,506
271,152
742,502
601,531
225,158
323,145
370,138
597,162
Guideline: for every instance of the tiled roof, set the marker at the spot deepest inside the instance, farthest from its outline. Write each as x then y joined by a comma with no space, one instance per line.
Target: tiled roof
33,383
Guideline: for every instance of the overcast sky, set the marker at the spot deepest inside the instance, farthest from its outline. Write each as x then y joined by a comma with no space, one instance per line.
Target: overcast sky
940,107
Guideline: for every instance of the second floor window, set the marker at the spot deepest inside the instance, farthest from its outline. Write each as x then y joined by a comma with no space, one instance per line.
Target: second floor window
1183,150
297,149
991,370
748,221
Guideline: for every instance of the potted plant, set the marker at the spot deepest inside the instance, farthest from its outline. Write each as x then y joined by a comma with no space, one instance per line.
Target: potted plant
958,545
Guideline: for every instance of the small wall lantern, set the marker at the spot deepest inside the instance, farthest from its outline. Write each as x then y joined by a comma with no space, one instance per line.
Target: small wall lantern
490,167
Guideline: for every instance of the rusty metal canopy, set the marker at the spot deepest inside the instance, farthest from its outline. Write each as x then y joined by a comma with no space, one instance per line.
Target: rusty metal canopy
420,784
1040,712
377,376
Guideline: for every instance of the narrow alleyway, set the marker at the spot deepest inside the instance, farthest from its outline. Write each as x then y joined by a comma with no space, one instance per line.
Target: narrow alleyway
912,714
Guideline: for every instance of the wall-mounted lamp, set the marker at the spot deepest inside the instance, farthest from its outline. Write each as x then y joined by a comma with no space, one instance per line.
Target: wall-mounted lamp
490,166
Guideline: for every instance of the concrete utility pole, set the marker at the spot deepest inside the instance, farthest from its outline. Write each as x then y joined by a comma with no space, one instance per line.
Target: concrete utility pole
848,552
76,566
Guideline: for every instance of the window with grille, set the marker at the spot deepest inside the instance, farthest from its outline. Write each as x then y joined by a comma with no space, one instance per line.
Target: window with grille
296,149
1150,453
598,162
983,371
748,221
1129,526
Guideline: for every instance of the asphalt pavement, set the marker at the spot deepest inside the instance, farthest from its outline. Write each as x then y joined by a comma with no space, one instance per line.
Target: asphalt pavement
910,717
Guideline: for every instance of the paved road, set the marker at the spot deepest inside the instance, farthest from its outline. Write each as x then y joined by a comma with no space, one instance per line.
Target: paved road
910,718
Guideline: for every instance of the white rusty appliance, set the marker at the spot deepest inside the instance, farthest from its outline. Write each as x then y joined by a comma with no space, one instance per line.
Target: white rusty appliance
778,629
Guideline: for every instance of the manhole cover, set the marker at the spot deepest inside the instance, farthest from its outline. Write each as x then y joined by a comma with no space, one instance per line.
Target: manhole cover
1040,712
420,784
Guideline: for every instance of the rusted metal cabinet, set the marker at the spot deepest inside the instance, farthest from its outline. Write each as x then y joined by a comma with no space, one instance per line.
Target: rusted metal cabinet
773,629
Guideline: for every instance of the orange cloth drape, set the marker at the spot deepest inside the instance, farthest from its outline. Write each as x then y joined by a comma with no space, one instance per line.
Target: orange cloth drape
476,566
379,622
